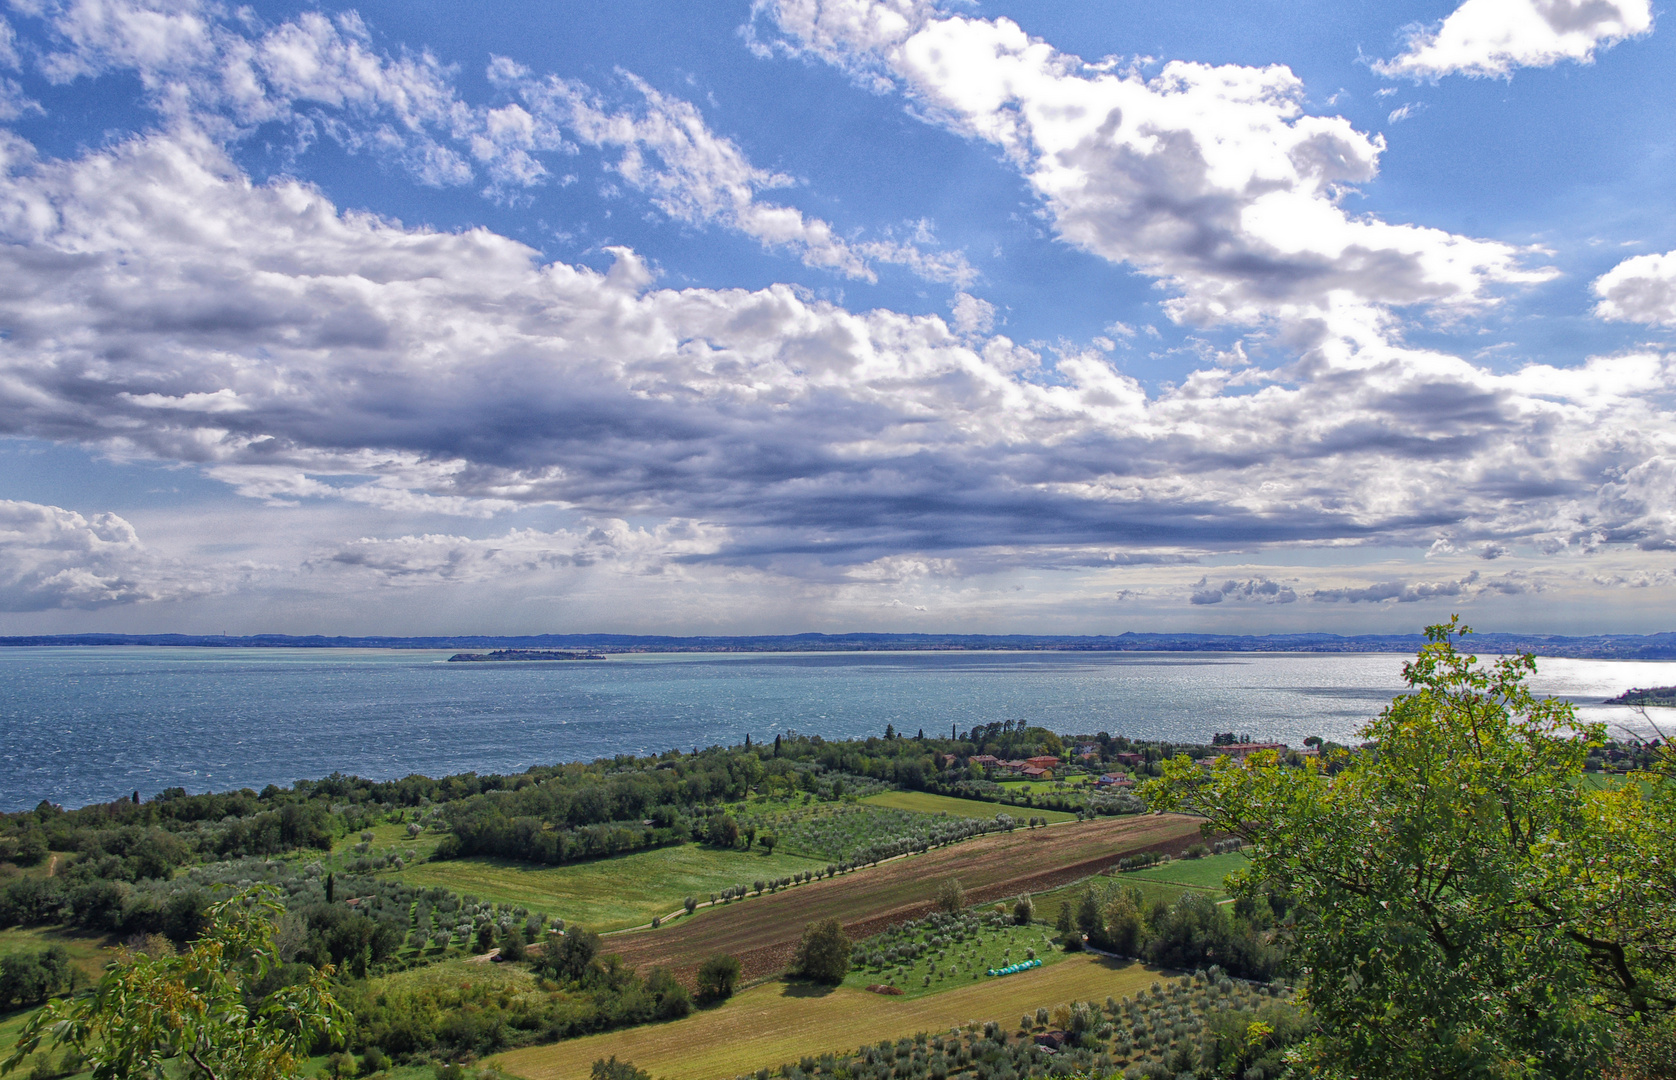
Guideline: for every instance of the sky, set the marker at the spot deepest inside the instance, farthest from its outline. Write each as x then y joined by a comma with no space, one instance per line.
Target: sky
833,315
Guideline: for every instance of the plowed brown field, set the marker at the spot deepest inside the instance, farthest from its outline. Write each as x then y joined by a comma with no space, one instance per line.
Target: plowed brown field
763,931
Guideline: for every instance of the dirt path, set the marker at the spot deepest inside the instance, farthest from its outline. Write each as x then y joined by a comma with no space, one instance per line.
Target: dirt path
763,931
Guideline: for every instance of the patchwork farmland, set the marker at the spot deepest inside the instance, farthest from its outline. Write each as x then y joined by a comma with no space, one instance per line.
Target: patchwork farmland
763,931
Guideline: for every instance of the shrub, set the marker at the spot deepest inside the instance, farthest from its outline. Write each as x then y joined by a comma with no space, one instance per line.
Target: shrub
1024,910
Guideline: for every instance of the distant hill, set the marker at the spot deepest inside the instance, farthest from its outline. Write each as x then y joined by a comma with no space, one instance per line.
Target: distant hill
1602,646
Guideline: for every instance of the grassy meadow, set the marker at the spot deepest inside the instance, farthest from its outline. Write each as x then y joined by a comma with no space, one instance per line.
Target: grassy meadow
608,894
1205,874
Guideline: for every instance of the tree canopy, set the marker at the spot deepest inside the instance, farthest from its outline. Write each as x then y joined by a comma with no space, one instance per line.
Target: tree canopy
198,1006
1465,904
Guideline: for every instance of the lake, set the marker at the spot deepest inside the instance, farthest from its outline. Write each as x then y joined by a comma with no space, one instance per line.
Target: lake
81,725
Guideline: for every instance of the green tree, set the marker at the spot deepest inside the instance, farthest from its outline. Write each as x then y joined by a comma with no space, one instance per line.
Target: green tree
768,840
1124,922
512,946
1465,905
950,897
723,831
199,1006
1024,910
823,953
567,957
617,1070
717,978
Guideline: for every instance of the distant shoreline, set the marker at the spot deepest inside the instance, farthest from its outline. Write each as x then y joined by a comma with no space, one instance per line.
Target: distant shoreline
1661,646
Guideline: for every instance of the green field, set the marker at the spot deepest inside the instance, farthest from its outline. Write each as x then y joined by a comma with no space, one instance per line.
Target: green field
608,894
923,802
1206,873
1162,883
1071,780
947,964
87,952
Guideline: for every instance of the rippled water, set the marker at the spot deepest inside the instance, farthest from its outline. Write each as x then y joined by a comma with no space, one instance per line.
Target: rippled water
80,725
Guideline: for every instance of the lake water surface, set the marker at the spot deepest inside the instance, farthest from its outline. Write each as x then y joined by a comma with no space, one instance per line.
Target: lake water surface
80,725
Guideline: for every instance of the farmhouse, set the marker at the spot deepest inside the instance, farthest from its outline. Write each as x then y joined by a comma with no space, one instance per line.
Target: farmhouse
1127,759
1043,761
1113,779
1030,772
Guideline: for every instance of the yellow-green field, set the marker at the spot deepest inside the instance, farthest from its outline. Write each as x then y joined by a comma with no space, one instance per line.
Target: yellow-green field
924,802
609,894
779,1022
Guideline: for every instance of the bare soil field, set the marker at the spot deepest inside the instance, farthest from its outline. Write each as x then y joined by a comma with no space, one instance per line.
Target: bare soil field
763,931
776,1023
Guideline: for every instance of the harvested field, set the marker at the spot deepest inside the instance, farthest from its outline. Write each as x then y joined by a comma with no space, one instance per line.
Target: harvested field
776,1023
763,931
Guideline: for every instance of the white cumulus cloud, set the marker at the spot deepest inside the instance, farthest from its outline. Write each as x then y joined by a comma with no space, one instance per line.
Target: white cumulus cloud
51,557
1213,179
1642,289
1493,37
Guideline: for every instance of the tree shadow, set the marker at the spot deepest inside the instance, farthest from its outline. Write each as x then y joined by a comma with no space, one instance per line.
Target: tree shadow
800,989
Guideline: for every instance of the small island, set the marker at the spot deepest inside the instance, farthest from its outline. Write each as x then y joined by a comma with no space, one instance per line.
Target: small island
505,655
1656,695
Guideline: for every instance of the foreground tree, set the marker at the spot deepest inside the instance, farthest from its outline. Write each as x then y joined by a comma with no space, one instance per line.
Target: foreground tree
1465,904
196,1007
823,954
950,898
717,978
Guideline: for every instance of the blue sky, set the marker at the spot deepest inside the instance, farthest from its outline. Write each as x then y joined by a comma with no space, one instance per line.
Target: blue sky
836,314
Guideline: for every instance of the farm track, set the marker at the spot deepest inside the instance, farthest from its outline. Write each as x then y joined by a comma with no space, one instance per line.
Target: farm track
763,931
